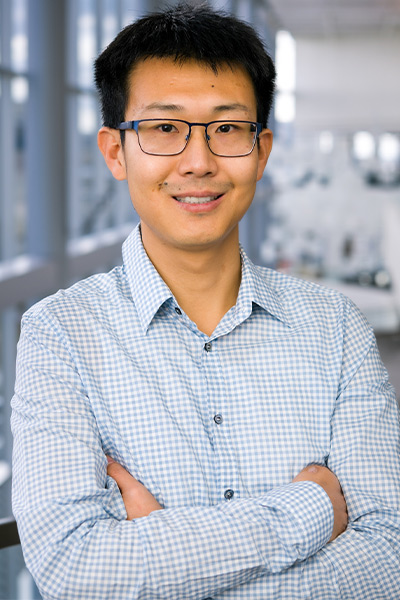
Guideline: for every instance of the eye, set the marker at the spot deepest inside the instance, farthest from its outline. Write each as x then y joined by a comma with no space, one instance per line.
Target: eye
226,128
166,127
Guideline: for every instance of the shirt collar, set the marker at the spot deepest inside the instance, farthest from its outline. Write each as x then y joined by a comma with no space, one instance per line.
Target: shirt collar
257,287
150,292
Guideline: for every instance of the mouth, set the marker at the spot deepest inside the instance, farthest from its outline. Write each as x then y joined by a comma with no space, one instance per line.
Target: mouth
197,199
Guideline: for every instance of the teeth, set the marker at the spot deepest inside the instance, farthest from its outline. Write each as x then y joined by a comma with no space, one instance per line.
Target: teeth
195,199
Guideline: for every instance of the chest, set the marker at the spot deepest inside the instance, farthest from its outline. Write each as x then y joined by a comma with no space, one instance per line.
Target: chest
191,420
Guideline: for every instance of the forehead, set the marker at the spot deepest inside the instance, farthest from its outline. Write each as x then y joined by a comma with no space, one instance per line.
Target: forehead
156,82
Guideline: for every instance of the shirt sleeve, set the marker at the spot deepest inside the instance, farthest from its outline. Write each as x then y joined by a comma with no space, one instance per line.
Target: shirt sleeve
364,562
72,521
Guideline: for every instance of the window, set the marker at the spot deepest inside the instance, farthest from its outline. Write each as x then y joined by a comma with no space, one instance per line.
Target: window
14,94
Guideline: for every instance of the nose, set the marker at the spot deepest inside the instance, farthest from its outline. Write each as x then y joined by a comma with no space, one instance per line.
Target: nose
197,159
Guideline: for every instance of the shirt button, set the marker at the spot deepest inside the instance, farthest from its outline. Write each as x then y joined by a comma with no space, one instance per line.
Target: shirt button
228,494
218,419
207,346
178,310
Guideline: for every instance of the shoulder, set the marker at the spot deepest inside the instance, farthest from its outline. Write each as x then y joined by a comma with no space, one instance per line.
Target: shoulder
308,302
300,295
283,283
95,294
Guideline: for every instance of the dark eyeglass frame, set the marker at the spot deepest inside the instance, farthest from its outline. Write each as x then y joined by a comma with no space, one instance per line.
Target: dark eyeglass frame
126,125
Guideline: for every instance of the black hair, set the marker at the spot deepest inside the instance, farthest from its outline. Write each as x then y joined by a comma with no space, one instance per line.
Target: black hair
183,32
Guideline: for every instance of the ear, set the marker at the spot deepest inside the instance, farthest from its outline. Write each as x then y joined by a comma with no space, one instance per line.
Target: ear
264,149
109,142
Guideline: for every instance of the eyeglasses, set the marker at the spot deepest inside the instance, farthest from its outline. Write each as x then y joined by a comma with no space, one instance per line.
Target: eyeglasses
168,137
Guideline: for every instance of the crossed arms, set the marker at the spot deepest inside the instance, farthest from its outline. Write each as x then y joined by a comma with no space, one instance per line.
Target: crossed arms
79,543
139,502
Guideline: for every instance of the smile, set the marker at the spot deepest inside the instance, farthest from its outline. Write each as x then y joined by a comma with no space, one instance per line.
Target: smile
196,199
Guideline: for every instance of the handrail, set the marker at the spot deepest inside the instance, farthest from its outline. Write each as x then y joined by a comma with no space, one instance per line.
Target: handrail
8,532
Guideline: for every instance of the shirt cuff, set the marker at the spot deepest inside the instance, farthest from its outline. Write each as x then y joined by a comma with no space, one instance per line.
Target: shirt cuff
302,516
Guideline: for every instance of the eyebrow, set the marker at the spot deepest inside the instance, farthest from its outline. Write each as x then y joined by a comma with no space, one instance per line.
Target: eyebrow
160,106
236,106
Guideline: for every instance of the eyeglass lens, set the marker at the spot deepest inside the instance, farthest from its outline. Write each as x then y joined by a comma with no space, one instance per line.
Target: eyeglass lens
167,137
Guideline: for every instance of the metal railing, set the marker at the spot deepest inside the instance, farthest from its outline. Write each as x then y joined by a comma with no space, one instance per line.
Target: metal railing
8,533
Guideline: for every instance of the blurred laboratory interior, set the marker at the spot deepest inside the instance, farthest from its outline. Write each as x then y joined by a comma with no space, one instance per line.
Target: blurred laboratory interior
327,209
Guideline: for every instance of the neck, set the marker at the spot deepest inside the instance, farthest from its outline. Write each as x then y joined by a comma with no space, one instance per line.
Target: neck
205,282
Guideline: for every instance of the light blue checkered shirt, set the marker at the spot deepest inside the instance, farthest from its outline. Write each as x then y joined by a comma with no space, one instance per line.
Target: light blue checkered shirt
215,428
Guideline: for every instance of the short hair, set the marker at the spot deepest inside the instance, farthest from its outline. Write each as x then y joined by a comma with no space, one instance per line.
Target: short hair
183,32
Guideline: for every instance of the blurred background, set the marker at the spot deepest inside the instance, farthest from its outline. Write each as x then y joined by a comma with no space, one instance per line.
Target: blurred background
327,209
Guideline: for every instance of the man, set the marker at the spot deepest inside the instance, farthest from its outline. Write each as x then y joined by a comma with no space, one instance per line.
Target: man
230,400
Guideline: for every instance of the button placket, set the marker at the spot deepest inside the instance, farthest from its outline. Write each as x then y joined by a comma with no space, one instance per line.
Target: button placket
227,475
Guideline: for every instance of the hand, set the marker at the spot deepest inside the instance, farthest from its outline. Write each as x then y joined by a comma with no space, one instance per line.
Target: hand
137,499
328,480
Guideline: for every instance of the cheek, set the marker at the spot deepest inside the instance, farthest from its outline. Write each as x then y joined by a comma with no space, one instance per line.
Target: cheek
245,177
149,173
142,180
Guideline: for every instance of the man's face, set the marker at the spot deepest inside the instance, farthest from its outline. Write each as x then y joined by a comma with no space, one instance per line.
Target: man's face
162,188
